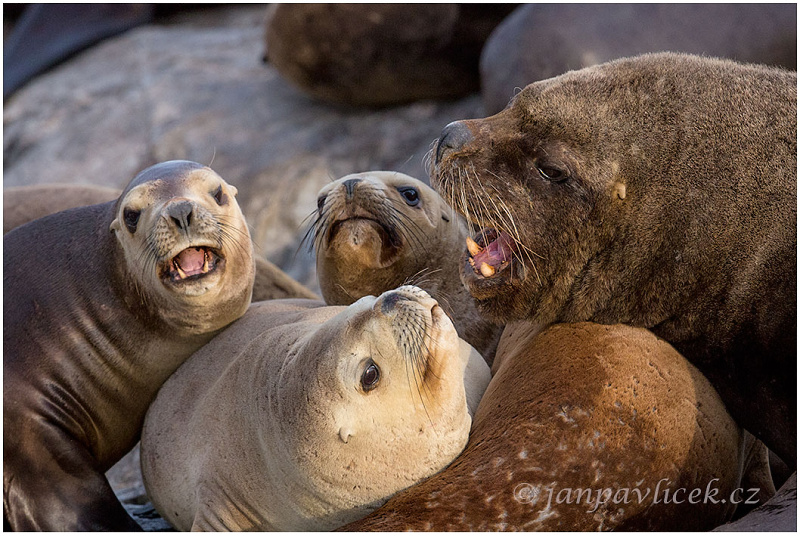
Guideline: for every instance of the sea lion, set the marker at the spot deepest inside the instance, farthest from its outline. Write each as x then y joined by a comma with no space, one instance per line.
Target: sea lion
102,304
573,412
305,417
377,230
658,191
23,204
380,54
570,36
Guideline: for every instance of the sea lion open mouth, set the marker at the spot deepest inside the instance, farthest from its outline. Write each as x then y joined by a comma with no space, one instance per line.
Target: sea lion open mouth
490,252
191,264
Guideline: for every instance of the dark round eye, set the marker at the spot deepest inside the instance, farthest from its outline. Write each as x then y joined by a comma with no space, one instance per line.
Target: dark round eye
131,218
321,202
410,195
219,196
370,377
551,173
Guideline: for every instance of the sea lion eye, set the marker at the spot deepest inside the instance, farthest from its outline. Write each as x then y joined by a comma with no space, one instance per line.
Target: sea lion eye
550,173
219,196
131,218
370,377
410,195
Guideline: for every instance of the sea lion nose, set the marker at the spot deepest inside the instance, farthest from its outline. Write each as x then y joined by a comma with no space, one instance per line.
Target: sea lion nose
181,214
390,301
349,187
454,136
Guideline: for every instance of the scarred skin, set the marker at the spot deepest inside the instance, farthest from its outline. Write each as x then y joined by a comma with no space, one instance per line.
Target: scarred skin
91,331
657,191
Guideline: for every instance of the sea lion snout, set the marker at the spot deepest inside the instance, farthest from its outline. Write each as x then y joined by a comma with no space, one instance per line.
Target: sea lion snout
350,186
181,213
454,136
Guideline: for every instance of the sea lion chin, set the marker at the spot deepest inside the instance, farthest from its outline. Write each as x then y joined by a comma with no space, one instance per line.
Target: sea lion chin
657,191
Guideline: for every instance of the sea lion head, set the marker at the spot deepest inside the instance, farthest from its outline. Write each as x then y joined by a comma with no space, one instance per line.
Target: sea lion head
374,230
186,245
375,399
550,182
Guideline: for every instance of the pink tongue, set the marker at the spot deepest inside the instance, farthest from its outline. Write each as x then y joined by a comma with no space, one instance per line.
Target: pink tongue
191,260
497,252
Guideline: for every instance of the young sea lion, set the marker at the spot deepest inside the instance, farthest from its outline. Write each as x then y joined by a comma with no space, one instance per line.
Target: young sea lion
102,304
378,230
305,417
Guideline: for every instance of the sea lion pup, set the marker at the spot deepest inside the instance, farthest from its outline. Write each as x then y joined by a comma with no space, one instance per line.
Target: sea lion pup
305,417
377,230
23,204
658,191
584,427
102,304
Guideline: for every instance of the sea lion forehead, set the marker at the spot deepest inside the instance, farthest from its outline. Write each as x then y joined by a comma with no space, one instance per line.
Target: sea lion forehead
165,173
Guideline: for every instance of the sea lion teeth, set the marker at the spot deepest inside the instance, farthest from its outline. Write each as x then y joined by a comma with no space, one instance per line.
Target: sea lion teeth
473,247
177,266
487,270
205,261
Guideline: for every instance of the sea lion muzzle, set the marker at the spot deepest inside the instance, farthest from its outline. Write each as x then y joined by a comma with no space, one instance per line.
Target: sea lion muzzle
454,137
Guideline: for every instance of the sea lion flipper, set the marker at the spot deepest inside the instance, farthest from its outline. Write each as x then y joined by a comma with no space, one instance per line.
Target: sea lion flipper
60,488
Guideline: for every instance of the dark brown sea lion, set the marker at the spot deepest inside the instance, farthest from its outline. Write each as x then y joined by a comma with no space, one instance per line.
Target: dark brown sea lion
23,204
101,304
584,427
657,191
380,54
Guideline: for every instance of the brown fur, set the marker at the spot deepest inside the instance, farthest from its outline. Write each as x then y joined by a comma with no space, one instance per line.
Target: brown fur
89,337
581,406
27,203
677,213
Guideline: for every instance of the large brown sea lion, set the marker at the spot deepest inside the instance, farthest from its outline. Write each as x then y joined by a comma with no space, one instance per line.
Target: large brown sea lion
658,191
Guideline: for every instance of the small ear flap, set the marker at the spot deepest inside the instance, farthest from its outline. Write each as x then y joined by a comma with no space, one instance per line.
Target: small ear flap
345,433
114,225
620,191
233,189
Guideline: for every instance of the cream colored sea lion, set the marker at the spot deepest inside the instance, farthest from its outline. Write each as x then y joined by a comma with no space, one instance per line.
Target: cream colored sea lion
377,230
585,427
305,417
101,304
27,203
658,191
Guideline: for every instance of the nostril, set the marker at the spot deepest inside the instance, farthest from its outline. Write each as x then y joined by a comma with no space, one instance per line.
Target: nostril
350,186
181,214
389,302
454,136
